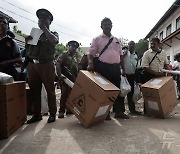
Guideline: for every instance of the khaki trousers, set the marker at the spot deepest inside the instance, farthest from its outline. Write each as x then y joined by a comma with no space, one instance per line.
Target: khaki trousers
38,74
65,91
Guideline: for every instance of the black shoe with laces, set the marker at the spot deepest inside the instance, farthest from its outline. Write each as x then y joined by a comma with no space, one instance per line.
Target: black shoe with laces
52,118
34,119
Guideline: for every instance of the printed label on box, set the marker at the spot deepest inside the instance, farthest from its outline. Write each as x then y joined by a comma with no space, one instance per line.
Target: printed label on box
155,81
101,80
79,102
102,110
153,105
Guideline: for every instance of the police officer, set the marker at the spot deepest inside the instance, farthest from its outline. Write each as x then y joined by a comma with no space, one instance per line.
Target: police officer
68,66
9,50
41,67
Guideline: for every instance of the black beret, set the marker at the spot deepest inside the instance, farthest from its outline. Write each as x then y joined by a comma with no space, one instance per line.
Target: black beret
73,43
44,12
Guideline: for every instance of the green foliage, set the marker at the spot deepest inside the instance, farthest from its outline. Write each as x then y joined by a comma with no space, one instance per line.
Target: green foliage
79,54
60,48
124,42
141,47
19,32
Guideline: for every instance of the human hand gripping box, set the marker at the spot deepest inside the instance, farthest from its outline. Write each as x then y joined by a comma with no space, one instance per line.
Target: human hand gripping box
159,96
91,98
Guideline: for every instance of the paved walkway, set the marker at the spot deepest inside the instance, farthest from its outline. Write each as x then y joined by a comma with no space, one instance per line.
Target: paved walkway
137,135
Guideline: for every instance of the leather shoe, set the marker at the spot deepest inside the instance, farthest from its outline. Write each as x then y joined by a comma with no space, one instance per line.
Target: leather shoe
52,118
34,118
146,115
121,116
108,118
61,115
136,113
68,112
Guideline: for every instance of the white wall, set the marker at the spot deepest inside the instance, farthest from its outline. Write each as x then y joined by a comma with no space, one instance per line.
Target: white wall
175,43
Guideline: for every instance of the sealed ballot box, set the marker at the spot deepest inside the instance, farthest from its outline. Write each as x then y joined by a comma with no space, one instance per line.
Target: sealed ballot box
13,108
91,98
159,96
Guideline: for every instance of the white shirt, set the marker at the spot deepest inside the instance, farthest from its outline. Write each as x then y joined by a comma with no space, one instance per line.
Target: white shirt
176,65
130,62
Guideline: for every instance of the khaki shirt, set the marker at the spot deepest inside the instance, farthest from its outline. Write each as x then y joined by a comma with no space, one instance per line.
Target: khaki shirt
43,50
71,65
158,63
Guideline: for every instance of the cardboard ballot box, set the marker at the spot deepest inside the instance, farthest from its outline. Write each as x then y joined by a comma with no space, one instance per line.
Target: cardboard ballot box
13,107
159,96
91,98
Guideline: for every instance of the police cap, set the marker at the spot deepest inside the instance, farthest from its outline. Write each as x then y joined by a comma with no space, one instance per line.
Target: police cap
73,43
45,13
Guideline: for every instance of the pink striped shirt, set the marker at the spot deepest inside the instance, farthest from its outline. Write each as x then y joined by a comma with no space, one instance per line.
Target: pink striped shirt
112,54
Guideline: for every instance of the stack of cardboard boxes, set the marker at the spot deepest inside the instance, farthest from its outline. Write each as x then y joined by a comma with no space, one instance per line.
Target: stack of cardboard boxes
13,108
159,96
91,98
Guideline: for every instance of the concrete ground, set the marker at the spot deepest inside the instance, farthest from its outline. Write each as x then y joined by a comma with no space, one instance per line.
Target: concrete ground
137,135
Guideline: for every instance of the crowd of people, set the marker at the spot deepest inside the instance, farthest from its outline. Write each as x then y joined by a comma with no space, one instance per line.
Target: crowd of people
112,61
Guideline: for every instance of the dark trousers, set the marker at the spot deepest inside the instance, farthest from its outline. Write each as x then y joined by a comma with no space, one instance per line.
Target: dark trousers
131,104
178,83
65,91
38,74
112,73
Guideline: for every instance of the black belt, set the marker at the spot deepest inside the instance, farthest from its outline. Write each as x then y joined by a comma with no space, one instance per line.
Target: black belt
39,61
114,65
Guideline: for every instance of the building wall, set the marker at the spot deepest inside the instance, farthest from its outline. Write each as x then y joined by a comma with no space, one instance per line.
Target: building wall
174,42
20,41
171,20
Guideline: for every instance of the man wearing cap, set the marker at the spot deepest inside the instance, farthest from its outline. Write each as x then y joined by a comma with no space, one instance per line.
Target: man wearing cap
41,66
9,50
68,66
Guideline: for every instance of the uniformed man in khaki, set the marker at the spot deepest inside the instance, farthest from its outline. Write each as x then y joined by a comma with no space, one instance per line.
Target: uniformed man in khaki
68,66
41,66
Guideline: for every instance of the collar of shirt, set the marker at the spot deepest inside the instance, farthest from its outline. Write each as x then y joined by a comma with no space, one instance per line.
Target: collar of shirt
151,50
155,52
3,37
132,53
103,35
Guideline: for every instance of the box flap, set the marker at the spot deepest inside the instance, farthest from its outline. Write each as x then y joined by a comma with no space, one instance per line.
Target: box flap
100,80
157,83
157,87
15,82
